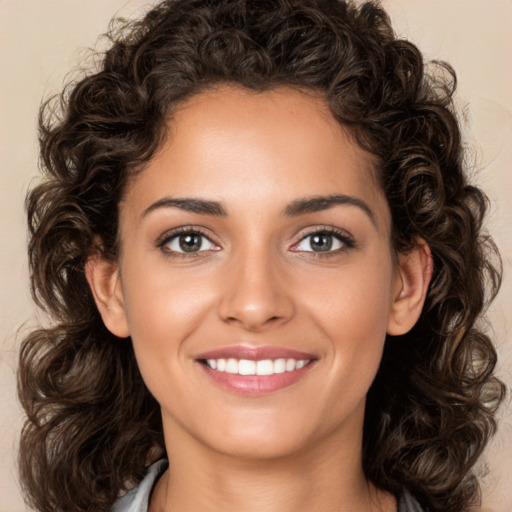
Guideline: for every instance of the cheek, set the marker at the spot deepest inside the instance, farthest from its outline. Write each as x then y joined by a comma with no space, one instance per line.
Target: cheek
357,297
352,310
163,309
161,319
158,297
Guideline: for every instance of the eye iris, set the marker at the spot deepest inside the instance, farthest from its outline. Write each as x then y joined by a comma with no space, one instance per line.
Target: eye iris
190,242
321,242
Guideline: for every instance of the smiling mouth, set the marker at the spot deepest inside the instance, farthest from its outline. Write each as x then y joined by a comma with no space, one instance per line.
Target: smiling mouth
255,371
261,367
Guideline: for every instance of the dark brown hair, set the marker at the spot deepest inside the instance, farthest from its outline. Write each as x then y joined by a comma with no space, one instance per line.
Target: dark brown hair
92,426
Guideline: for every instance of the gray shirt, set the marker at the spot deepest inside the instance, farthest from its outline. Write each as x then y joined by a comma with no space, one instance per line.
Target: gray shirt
137,500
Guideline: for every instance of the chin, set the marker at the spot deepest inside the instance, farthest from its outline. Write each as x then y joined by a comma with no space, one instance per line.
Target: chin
265,446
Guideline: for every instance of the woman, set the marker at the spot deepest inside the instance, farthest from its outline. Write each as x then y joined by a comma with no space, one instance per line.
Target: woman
265,265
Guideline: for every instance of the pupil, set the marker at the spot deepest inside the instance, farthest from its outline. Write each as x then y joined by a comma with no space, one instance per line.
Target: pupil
190,243
321,242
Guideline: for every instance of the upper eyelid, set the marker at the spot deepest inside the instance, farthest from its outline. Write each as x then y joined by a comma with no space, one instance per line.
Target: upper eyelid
173,233
342,234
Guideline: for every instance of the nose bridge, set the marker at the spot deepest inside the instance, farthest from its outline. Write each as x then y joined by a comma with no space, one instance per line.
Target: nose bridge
254,294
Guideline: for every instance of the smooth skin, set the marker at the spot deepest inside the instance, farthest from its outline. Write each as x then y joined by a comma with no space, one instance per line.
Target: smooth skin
224,242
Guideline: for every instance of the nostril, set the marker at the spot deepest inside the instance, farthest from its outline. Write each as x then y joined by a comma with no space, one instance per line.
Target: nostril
254,304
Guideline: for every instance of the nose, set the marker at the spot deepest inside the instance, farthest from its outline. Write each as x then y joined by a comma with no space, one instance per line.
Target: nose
255,294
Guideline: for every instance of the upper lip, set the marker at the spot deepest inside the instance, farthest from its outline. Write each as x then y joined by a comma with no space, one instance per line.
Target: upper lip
255,353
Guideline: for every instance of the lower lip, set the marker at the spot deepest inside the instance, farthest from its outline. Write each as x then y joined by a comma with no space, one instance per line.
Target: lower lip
255,384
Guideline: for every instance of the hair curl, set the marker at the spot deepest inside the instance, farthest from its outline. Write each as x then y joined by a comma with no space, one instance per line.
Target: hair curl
92,426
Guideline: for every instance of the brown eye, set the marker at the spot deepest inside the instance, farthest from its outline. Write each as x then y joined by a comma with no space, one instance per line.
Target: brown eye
321,241
187,242
191,242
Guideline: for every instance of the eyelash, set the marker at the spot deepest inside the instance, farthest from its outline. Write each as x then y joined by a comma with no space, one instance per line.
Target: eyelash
342,236
169,236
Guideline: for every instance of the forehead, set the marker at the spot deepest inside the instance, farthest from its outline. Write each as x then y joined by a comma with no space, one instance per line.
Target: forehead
231,144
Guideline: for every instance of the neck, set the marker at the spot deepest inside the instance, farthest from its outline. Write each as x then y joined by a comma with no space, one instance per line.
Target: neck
323,477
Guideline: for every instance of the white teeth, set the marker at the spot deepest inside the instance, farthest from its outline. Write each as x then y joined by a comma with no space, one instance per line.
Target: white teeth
279,365
265,367
261,367
246,367
231,366
301,364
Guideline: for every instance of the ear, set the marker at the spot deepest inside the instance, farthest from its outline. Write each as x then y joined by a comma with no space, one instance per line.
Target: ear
414,274
105,283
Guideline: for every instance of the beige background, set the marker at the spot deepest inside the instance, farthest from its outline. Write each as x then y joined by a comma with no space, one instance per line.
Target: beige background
41,40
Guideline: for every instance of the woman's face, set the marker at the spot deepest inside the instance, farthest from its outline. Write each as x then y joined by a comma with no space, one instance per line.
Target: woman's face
256,274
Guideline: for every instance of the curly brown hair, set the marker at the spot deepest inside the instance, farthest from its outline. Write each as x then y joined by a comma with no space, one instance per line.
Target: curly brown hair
92,426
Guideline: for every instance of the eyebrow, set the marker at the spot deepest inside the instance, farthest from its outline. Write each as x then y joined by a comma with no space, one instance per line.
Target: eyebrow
200,206
294,209
319,203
